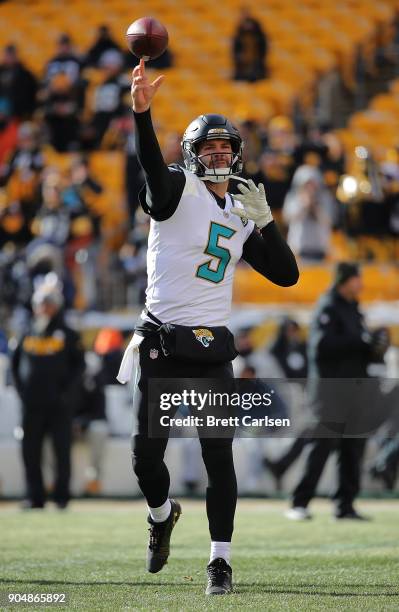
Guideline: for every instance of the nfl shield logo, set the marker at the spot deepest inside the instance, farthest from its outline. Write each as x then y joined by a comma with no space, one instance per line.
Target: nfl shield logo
153,353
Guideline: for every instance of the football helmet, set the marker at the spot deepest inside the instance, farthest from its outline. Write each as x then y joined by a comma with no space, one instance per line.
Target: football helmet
211,127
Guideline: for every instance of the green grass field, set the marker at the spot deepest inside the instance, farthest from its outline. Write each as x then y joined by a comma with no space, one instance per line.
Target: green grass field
95,553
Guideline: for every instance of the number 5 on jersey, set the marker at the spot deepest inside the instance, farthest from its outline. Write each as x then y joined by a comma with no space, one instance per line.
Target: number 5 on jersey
220,253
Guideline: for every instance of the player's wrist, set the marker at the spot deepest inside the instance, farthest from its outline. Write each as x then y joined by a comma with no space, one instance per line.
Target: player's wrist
140,110
264,220
141,113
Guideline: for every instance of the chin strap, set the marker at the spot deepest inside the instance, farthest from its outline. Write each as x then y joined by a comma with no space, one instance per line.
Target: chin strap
217,178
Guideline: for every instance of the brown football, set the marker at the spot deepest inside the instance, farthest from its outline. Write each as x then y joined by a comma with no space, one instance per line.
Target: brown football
147,38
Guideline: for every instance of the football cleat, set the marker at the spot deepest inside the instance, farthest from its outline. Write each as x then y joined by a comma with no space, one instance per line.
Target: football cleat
351,515
159,542
298,514
220,577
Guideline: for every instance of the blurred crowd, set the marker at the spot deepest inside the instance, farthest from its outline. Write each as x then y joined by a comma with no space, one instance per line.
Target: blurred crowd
50,219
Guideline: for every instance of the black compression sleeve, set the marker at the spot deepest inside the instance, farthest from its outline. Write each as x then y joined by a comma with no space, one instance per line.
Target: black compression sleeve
271,256
163,187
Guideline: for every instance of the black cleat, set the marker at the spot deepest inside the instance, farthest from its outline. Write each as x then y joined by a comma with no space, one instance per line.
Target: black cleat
159,543
351,515
220,577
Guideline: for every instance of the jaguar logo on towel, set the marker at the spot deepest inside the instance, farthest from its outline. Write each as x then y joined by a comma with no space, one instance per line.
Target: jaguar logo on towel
204,336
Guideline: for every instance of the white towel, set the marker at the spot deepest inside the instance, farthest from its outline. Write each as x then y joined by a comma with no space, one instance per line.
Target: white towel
130,359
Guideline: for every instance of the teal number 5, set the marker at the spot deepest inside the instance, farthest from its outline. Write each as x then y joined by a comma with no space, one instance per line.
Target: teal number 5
220,253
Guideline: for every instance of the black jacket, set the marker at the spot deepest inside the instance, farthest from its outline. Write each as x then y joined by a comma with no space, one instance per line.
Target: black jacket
339,344
344,399
47,365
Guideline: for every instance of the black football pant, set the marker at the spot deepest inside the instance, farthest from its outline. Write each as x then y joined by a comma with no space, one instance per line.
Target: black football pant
38,421
148,452
350,452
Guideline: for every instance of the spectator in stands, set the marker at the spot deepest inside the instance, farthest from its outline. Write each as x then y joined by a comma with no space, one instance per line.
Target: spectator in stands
61,113
281,136
43,258
21,173
274,170
274,165
8,132
12,227
109,95
79,200
47,367
80,194
250,47
17,84
65,61
255,141
102,43
133,261
252,357
309,211
289,349
52,222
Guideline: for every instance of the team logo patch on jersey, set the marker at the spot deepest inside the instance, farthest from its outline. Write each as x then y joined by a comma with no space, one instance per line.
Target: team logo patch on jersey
244,221
153,353
205,336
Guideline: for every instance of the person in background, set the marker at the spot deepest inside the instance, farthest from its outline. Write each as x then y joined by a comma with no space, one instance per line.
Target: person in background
90,422
102,43
109,94
52,221
290,351
61,108
21,174
65,61
340,347
188,291
250,47
309,211
4,359
47,366
251,357
8,132
17,84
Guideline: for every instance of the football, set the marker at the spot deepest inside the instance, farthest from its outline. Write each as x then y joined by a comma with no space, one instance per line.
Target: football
147,38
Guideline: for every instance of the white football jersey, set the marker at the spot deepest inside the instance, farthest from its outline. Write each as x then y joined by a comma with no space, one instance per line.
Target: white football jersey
191,259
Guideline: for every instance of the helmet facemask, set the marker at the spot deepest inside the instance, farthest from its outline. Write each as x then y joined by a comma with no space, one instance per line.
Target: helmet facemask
190,148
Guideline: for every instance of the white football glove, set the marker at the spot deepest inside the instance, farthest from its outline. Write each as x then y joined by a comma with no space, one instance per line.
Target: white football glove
255,204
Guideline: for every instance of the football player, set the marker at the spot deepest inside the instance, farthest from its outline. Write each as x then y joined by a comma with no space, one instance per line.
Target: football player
197,236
